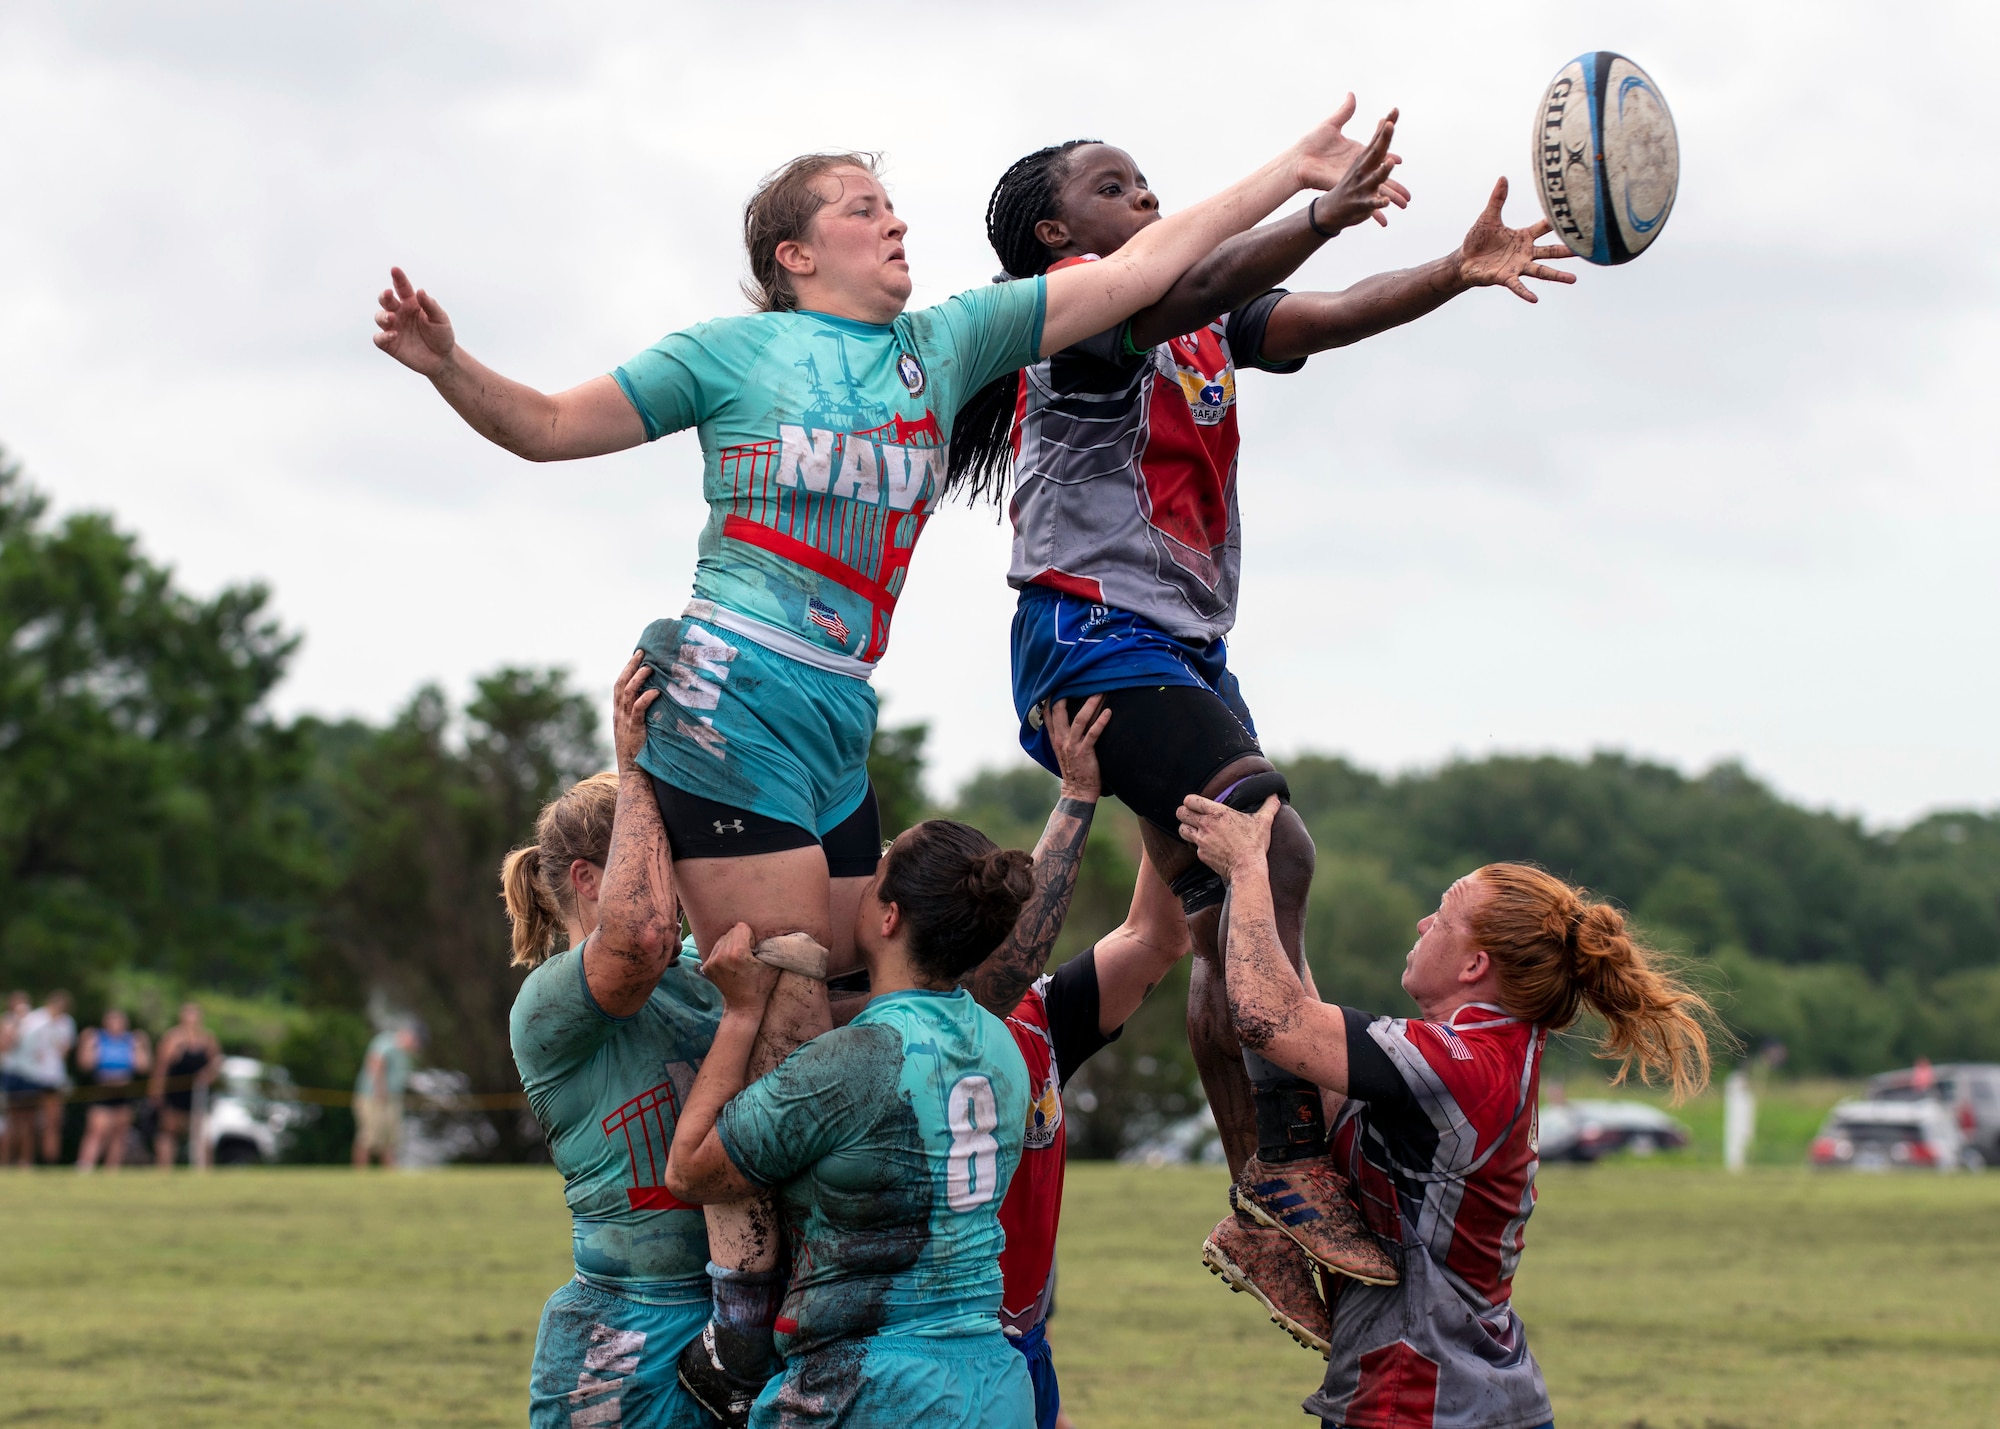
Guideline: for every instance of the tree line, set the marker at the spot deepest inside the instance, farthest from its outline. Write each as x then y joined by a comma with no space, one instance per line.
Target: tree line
159,826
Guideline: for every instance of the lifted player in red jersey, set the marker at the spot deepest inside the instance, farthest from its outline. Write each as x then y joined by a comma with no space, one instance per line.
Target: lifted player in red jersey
1126,555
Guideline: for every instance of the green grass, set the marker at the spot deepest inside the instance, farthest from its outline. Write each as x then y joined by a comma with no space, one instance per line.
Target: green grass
1657,1294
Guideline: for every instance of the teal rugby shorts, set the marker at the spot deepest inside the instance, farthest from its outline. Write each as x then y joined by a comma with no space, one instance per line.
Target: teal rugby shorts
891,1381
611,1357
746,726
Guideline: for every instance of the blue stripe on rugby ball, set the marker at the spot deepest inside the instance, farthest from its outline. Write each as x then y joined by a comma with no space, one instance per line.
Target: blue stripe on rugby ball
1606,157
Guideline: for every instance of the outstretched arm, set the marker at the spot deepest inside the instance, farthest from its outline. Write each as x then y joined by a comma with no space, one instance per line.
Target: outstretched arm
1267,1002
638,927
588,420
1491,255
999,983
1091,297
699,1170
1136,955
1257,261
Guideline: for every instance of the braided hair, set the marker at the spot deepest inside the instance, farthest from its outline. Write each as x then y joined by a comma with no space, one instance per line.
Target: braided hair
982,433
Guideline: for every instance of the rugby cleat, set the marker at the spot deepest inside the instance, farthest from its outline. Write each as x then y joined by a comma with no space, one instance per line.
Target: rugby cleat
1264,1263
794,953
723,1393
1307,1200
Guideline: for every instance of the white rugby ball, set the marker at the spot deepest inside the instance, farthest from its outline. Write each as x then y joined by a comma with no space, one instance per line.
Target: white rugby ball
1607,161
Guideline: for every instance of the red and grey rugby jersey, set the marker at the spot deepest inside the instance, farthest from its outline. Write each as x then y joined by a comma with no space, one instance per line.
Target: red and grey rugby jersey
1439,1137
1056,1028
1125,471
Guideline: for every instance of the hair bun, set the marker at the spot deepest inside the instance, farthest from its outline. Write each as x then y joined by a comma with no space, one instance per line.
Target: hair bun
1000,881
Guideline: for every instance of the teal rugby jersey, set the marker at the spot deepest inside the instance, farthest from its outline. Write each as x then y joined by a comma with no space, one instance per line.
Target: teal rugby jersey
823,447
608,1092
891,1142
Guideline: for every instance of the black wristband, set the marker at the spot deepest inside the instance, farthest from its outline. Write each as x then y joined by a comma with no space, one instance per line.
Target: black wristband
1312,219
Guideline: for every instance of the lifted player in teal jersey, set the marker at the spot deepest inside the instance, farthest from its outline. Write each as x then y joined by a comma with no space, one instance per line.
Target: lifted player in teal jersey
608,1036
889,1143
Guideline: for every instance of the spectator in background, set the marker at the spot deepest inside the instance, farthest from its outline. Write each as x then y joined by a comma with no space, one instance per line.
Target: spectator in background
35,1078
378,1095
114,1055
188,1060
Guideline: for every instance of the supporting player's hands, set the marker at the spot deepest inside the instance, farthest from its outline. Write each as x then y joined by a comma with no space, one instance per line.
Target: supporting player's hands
1229,842
630,698
415,330
1365,189
745,983
1495,255
1325,156
1075,744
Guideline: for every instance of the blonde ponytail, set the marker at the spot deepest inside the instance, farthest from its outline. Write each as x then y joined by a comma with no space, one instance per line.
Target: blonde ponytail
534,881
1554,951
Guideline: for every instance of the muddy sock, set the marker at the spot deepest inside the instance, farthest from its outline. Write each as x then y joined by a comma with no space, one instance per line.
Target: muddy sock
1291,1119
745,1305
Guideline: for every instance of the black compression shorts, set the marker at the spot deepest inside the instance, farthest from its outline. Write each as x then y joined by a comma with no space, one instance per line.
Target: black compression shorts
1164,743
704,828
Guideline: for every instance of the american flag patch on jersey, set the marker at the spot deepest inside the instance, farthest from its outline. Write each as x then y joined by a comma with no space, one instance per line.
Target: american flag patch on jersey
1452,1042
826,618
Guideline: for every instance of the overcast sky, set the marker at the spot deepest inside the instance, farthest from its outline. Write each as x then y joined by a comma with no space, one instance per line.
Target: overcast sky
1736,500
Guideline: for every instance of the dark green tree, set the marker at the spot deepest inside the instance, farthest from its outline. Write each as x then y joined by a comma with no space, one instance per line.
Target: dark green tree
140,822
426,809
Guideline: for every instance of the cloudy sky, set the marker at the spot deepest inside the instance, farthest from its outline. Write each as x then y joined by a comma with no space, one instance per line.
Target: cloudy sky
1736,500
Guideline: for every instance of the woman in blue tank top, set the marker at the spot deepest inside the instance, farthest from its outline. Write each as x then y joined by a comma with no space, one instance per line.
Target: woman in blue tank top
114,1054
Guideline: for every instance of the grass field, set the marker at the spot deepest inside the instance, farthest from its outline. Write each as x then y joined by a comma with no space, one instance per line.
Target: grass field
1660,1295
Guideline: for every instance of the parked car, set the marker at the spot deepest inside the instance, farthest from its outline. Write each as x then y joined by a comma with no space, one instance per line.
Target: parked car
252,1111
1592,1130
1970,1090
1869,1135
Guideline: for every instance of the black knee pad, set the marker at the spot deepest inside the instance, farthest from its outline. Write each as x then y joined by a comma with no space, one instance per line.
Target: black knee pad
1200,888
1249,793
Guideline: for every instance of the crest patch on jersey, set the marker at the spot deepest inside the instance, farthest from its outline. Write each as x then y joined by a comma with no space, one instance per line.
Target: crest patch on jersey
912,373
1045,1114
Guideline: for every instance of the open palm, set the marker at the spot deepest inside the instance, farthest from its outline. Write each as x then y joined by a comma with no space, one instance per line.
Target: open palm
1326,154
1495,255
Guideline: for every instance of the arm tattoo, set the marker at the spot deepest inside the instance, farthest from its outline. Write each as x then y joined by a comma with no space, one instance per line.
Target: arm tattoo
1003,979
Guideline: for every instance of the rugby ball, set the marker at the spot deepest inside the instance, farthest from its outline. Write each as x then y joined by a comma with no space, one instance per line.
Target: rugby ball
1607,161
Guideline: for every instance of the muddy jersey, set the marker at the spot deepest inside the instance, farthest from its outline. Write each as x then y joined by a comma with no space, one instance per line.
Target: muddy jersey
1439,1139
608,1093
823,450
1055,1026
1125,471
890,1143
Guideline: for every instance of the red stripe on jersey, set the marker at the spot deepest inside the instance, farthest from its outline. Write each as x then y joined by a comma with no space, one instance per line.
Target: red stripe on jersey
740,528
1033,1205
1081,586
1398,1387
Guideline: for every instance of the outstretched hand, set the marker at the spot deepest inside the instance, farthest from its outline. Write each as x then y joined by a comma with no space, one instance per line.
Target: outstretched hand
1228,842
1327,155
1075,744
630,699
731,965
1494,254
415,330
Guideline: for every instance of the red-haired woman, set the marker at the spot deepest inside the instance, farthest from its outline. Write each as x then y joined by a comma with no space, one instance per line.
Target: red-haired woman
1438,1133
825,419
